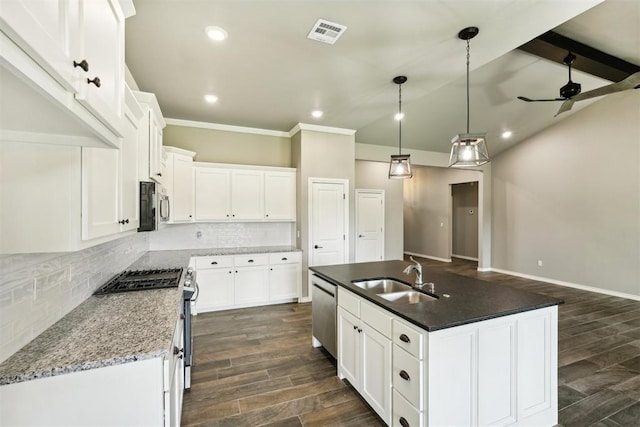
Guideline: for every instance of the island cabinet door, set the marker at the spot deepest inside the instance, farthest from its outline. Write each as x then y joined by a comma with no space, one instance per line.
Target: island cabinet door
376,371
538,366
348,347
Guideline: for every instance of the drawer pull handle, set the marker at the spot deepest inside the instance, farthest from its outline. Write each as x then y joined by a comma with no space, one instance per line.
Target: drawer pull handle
82,64
284,259
404,375
214,262
250,260
95,81
404,338
404,422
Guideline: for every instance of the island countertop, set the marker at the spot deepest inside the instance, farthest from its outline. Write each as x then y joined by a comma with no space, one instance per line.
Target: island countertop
470,300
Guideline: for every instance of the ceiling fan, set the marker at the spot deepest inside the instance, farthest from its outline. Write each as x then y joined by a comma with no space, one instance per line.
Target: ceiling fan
571,92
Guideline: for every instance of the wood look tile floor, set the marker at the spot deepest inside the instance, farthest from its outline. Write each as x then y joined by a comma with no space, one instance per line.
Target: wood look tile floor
256,367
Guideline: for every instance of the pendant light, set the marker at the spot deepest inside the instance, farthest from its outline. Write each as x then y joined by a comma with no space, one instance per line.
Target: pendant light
400,165
468,149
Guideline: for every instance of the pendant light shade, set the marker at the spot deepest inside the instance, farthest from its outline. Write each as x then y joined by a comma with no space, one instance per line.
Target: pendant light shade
468,149
400,164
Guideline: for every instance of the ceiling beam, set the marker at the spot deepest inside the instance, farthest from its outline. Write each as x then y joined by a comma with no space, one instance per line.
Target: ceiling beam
554,47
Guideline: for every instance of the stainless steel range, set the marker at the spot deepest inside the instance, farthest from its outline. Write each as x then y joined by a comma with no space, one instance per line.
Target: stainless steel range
139,280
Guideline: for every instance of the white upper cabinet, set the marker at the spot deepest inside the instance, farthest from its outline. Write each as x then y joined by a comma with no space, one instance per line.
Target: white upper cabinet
101,40
280,196
179,183
244,193
247,195
212,194
150,150
109,181
63,61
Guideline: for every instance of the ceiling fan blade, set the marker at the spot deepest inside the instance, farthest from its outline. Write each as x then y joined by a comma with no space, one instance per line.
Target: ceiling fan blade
525,99
629,83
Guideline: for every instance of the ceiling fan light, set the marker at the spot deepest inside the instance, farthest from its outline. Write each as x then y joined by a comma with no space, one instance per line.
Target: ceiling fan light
468,150
400,166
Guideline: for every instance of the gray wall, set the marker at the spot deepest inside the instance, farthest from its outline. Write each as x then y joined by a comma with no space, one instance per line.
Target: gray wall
570,196
374,176
427,210
464,199
219,146
321,155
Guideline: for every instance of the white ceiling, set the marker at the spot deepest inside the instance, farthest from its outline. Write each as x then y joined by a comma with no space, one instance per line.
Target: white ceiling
268,75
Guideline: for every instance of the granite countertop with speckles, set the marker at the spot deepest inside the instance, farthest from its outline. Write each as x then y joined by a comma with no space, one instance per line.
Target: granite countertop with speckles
113,329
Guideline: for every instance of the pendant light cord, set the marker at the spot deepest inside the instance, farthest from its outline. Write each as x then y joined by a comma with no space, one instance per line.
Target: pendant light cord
468,85
400,119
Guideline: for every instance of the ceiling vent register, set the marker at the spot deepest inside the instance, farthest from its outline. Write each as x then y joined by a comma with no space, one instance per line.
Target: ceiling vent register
326,32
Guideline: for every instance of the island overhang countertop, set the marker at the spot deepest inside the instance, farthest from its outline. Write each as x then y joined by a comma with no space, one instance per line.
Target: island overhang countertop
469,300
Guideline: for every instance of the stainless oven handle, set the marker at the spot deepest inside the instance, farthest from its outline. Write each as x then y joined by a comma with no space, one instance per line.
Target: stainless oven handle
196,294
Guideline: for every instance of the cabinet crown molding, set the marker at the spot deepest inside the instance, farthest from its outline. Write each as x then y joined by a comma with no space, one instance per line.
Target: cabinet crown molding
244,167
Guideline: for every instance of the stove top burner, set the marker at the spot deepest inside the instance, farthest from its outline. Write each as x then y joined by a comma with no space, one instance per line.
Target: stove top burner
138,280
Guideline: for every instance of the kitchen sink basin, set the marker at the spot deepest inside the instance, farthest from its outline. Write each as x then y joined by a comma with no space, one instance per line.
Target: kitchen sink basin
407,297
382,286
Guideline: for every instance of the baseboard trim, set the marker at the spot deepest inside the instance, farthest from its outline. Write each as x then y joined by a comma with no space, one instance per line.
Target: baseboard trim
304,299
429,257
469,258
567,284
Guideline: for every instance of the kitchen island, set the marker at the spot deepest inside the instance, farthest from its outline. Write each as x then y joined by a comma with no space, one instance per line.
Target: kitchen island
471,353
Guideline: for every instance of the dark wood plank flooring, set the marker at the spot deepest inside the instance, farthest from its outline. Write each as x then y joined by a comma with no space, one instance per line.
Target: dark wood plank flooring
256,367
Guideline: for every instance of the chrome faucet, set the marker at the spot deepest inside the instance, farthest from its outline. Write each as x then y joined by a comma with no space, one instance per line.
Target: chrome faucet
417,267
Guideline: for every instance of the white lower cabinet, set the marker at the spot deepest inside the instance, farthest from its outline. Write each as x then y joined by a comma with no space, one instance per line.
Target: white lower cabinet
234,281
497,372
142,393
364,351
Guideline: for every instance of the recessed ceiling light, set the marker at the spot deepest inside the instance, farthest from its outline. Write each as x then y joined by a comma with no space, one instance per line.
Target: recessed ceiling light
216,33
317,114
211,99
507,134
399,116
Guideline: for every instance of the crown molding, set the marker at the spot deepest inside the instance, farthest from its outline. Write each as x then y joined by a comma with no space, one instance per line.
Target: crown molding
227,128
317,128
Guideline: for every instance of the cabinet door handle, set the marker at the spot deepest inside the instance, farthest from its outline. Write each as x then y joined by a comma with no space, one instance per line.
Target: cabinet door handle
126,221
82,64
404,338
317,247
230,272
159,174
360,235
355,327
404,375
95,81
359,330
267,215
404,422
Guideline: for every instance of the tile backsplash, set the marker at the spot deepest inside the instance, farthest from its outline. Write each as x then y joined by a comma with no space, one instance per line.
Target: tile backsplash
37,290
222,235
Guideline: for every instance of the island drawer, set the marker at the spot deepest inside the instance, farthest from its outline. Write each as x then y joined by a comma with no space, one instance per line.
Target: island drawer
407,376
408,337
378,319
349,302
285,258
405,411
203,262
255,259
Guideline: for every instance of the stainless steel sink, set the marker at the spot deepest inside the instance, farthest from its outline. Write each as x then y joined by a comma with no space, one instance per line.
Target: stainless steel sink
407,297
380,286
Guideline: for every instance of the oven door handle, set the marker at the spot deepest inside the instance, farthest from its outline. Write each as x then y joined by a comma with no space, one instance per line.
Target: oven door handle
194,298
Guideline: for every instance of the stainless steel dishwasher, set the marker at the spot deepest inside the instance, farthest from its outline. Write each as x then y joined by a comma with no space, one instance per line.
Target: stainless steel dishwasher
323,314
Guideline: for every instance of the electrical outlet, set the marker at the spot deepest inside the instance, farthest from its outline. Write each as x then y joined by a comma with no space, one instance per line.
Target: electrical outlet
198,234
539,263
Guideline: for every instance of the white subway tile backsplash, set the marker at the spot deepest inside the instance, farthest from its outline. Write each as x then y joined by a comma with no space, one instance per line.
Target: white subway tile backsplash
62,282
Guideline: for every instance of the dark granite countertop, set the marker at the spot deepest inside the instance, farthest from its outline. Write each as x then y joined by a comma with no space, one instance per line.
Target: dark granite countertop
113,329
470,300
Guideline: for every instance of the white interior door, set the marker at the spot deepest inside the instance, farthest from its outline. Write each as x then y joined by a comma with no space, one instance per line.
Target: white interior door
329,213
369,225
